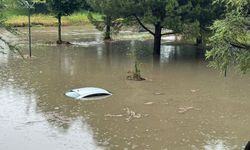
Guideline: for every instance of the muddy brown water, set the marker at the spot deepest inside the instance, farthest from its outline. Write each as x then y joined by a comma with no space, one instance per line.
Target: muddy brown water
183,104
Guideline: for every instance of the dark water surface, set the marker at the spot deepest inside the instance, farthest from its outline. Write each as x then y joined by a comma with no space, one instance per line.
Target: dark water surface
183,105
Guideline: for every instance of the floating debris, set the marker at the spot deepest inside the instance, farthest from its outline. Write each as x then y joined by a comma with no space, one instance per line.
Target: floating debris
11,80
149,103
33,122
129,114
185,109
110,115
158,93
195,90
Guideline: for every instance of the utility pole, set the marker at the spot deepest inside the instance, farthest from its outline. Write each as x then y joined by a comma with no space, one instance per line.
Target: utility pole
29,6
29,26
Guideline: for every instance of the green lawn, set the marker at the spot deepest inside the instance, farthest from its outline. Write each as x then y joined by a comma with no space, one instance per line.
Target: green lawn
78,18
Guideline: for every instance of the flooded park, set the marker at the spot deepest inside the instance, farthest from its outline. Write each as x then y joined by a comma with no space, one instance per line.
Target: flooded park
182,105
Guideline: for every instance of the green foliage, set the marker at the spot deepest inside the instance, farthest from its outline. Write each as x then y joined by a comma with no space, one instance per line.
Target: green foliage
174,15
2,6
100,23
41,8
110,22
63,7
231,38
205,12
168,12
96,22
105,7
81,17
137,70
135,75
5,6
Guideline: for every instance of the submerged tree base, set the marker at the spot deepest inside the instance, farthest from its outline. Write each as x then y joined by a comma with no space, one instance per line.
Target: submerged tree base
107,39
63,42
135,76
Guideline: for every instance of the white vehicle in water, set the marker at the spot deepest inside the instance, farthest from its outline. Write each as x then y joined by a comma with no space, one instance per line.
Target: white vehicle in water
88,93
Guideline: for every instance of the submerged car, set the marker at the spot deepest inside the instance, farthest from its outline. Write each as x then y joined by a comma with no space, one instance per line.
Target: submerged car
88,93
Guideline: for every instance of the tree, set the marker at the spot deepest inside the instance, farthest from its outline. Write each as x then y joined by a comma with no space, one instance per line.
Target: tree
204,12
230,41
161,14
62,8
108,8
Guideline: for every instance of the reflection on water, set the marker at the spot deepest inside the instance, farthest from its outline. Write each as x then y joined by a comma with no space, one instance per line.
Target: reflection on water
4,52
97,41
180,53
87,44
23,124
218,145
183,104
168,52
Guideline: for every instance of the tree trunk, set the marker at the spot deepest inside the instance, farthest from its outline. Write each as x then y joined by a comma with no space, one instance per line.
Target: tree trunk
59,29
157,39
156,61
108,28
199,39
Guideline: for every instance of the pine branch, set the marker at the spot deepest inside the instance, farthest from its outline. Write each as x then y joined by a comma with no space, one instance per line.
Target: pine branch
146,28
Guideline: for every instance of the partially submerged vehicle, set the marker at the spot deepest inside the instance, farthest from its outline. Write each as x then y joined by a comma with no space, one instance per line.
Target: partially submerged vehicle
88,93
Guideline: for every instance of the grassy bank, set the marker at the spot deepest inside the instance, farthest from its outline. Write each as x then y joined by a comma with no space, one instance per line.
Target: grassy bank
78,18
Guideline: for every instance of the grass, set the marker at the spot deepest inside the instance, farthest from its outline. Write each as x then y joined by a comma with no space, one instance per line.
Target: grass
78,18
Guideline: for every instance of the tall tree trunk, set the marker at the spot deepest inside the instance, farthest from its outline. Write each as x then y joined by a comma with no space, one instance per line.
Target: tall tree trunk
199,39
156,62
108,28
59,17
157,39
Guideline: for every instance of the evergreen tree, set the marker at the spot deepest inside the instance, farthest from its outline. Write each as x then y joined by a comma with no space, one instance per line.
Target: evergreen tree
108,8
161,14
231,37
62,8
204,12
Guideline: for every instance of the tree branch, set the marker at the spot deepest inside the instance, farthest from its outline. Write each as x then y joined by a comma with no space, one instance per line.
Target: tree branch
139,21
238,45
168,33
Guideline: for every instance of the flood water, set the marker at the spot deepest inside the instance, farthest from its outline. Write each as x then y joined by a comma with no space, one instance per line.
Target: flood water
183,104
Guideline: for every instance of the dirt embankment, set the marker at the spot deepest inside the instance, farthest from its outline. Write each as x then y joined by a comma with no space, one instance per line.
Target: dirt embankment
7,39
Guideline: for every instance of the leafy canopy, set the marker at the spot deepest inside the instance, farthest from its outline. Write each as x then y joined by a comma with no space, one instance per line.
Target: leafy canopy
231,37
63,7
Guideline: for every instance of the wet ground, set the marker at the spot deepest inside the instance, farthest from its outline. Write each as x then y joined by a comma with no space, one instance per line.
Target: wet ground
183,104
